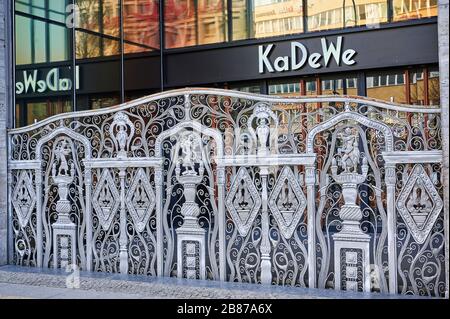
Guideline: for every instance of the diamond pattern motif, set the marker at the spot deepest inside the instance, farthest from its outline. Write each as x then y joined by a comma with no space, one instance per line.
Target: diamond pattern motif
24,198
106,199
419,204
140,200
243,201
287,202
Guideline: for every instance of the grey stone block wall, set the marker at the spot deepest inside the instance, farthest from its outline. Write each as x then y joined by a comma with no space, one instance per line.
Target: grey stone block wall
4,107
443,74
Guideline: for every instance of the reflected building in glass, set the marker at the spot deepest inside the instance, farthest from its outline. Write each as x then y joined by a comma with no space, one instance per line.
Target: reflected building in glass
88,54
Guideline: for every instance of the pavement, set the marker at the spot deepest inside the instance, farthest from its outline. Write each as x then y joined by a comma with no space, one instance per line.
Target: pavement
35,283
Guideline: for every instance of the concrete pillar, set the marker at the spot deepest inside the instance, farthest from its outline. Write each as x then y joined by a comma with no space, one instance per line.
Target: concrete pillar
5,107
443,74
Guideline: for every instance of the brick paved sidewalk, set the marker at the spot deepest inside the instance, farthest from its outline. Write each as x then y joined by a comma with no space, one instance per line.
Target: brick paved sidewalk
20,282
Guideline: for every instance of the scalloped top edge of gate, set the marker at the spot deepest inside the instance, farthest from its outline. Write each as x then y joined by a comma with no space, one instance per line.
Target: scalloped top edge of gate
234,94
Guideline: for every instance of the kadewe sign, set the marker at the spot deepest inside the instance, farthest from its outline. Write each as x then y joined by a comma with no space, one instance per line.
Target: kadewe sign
300,56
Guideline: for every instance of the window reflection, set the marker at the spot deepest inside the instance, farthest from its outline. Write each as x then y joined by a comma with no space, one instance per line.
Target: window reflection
325,14
141,25
291,88
240,20
339,86
189,22
256,88
34,111
99,31
179,21
414,9
39,42
212,21
387,86
417,87
433,86
277,17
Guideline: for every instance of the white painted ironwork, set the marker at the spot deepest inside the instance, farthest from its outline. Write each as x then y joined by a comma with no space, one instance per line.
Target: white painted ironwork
319,191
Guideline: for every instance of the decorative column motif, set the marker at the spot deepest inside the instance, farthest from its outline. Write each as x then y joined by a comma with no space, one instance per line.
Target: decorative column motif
39,231
390,180
310,181
190,236
222,248
123,240
64,230
122,130
266,265
159,223
263,113
351,244
89,249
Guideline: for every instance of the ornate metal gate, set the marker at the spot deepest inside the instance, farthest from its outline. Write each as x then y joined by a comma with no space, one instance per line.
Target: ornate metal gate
328,192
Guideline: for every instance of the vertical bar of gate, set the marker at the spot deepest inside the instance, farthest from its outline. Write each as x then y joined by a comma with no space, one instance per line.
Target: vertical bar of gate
38,178
221,204
390,180
310,181
159,232
88,183
123,241
10,220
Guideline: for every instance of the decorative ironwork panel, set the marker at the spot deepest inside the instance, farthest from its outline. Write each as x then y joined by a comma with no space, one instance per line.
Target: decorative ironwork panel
24,217
420,230
316,191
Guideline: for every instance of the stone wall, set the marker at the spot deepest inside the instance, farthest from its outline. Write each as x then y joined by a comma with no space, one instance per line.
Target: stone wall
4,106
443,74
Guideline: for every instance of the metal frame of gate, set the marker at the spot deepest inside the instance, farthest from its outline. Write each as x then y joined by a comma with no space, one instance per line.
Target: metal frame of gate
323,191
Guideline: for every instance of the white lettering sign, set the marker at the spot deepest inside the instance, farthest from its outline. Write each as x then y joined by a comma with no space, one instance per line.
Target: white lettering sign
300,56
51,82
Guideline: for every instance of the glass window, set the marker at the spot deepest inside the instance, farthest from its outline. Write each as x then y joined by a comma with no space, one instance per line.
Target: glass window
57,10
240,20
101,102
433,86
311,87
414,9
289,88
340,86
212,21
59,38
33,111
378,86
23,32
189,22
266,18
325,14
416,87
179,23
247,88
281,13
141,25
39,41
99,28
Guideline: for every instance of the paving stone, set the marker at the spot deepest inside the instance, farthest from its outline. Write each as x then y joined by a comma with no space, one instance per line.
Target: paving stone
24,282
